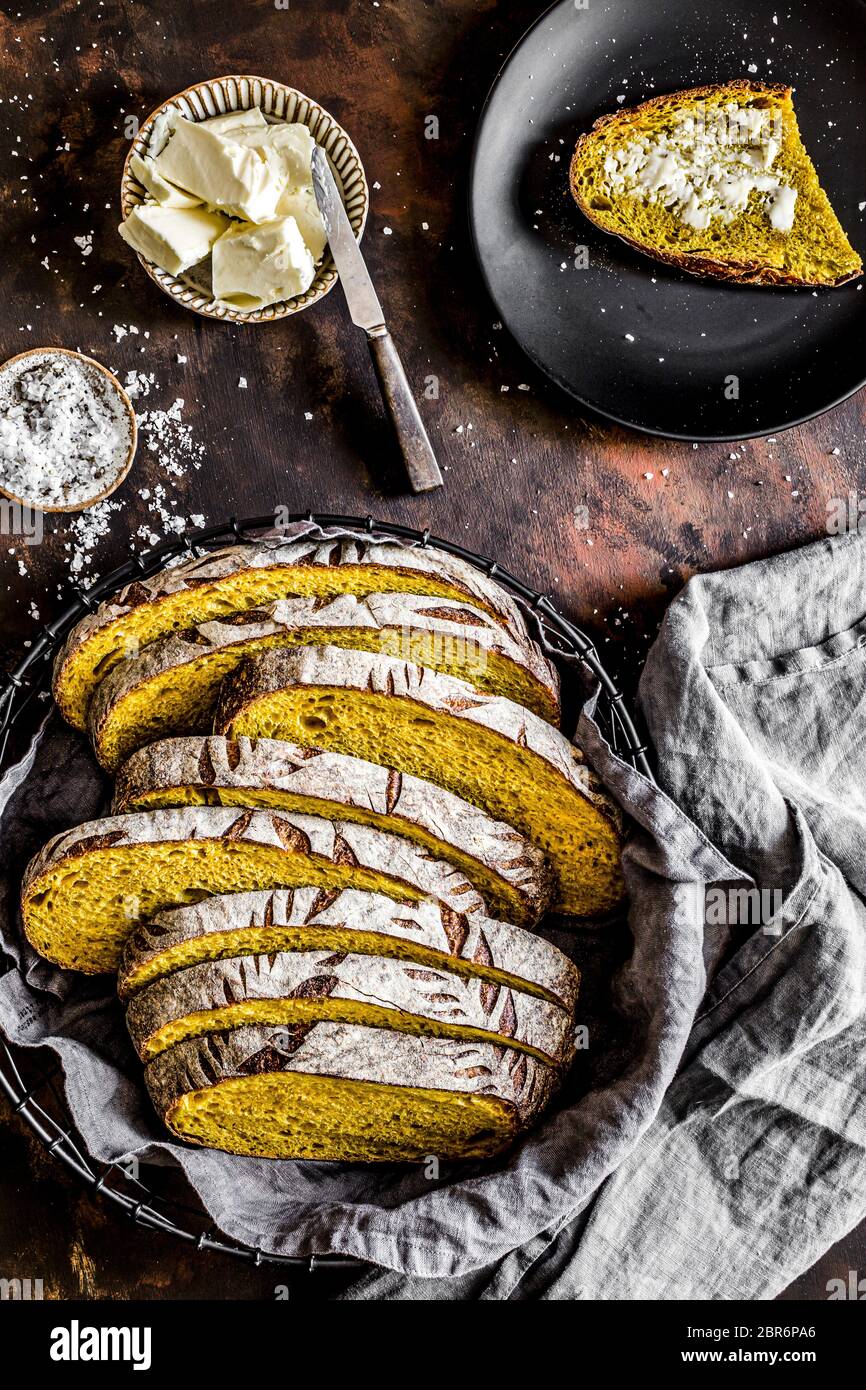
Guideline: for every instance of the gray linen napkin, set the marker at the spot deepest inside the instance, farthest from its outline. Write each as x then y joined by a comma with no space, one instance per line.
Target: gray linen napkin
644,989
754,1164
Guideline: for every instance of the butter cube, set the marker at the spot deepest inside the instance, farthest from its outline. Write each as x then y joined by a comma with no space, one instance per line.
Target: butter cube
159,188
236,120
173,238
221,172
301,204
291,142
257,266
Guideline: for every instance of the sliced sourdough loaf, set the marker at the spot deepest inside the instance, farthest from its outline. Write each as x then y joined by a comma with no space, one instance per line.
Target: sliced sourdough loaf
349,922
84,891
486,749
511,874
299,987
171,686
247,576
344,1092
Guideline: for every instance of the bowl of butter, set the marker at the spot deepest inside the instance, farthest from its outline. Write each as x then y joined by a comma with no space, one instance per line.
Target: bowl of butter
217,198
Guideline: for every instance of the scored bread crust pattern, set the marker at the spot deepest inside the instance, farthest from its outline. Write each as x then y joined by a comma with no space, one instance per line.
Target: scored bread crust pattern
346,1051
433,925
215,762
263,554
448,623
340,842
400,987
370,673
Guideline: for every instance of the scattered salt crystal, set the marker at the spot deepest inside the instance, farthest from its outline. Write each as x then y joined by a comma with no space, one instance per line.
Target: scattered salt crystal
242,383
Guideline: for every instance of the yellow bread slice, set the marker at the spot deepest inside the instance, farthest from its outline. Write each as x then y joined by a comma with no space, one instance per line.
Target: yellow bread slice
241,577
300,987
485,749
715,181
337,1091
171,686
348,921
510,873
84,892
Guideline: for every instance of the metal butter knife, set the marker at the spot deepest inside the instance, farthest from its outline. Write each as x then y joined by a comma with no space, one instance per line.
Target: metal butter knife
366,312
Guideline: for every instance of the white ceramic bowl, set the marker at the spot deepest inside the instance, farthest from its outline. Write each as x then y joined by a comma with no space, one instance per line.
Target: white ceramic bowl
279,103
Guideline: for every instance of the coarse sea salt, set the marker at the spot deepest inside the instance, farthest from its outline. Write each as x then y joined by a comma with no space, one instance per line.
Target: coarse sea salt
64,431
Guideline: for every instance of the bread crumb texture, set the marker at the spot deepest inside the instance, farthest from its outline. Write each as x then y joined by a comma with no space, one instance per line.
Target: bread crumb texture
171,687
489,751
717,182
343,1092
85,890
510,873
248,576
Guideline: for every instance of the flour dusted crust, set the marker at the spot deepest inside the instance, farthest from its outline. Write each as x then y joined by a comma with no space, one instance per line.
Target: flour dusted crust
199,579
314,978
212,764
384,675
448,626
351,847
330,668
459,939
523,1085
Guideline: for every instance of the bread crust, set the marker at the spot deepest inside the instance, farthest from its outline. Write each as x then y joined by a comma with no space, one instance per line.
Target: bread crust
456,938
402,988
207,570
300,836
704,267
270,672
447,623
214,763
345,1051
425,690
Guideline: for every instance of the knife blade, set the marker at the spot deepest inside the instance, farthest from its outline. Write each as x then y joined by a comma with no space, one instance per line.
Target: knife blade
367,313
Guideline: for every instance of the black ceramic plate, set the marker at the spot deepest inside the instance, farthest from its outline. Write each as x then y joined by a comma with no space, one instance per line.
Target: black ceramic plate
793,353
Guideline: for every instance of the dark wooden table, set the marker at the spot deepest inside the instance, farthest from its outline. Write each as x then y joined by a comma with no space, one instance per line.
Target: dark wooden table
525,469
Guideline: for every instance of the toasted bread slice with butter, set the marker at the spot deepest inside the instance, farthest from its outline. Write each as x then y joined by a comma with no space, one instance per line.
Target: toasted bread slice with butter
717,182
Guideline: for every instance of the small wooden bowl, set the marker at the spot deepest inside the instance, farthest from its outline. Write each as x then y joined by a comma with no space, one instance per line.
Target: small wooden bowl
34,353
282,103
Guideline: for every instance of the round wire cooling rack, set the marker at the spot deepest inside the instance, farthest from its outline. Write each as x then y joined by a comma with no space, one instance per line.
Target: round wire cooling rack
36,1093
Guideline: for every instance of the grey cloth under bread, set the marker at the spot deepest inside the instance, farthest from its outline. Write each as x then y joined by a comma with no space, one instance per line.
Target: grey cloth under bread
753,1163
710,1141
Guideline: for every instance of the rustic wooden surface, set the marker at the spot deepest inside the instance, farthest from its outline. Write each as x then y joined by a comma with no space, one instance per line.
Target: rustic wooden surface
524,469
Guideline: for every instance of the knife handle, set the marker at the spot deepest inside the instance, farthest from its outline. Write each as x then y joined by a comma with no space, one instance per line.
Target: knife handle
416,448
